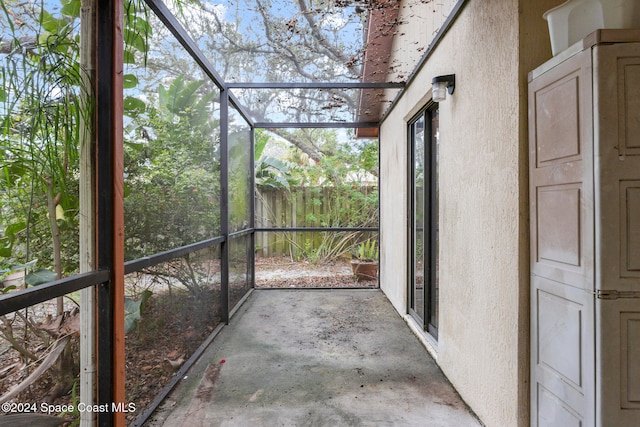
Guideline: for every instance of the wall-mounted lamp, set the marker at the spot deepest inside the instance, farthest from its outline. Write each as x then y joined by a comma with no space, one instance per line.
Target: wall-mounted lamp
441,85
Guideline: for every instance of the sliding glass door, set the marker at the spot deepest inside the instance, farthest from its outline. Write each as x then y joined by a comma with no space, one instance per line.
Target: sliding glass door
423,230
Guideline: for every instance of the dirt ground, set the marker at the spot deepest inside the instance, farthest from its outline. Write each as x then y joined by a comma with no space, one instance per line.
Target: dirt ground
282,272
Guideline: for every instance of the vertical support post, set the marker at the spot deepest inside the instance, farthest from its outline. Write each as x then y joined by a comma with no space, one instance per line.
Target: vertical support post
380,252
224,203
118,212
104,46
110,208
252,207
87,211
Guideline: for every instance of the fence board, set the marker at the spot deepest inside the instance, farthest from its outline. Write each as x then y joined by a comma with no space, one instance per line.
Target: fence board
300,207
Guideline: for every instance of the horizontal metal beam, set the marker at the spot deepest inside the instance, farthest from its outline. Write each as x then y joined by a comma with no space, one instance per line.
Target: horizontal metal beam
316,85
150,261
319,125
316,229
17,300
241,233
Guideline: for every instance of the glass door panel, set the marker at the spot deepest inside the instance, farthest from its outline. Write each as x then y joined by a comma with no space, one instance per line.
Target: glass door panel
417,291
424,280
433,240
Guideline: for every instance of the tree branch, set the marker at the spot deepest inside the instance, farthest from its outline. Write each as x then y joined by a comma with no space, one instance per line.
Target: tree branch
317,35
11,45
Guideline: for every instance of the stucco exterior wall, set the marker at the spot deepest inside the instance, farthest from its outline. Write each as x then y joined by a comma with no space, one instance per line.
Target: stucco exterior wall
483,337
418,23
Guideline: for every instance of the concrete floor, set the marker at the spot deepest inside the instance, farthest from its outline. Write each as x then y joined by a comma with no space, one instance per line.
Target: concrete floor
315,358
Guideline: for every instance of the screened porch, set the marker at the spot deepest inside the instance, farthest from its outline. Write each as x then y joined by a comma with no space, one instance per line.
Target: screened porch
161,161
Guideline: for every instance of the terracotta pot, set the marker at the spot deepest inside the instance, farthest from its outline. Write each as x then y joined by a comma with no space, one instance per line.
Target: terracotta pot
14,279
365,270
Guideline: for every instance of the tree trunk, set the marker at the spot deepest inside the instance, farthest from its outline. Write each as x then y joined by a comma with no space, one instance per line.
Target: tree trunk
52,203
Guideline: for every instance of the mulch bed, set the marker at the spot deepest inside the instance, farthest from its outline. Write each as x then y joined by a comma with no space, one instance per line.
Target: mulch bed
282,272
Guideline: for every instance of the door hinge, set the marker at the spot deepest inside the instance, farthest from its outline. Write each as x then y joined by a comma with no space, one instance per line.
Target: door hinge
612,294
602,294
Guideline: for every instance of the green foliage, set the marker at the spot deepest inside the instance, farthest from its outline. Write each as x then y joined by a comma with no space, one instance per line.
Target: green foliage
338,191
39,144
43,106
8,289
350,176
239,178
39,277
183,98
73,412
133,310
367,251
329,246
172,171
133,106
10,236
270,172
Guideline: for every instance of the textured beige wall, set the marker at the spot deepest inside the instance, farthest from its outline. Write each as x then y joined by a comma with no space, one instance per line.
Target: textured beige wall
418,23
483,341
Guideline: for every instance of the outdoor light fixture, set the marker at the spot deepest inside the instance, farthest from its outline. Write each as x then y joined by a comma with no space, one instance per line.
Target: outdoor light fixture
441,85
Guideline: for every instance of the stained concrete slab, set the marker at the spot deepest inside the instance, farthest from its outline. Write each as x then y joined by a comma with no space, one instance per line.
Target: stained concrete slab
315,358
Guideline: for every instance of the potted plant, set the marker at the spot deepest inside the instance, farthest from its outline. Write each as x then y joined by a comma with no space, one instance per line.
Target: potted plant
365,261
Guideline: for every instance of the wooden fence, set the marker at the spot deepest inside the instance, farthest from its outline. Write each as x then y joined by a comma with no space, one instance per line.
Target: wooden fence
313,207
